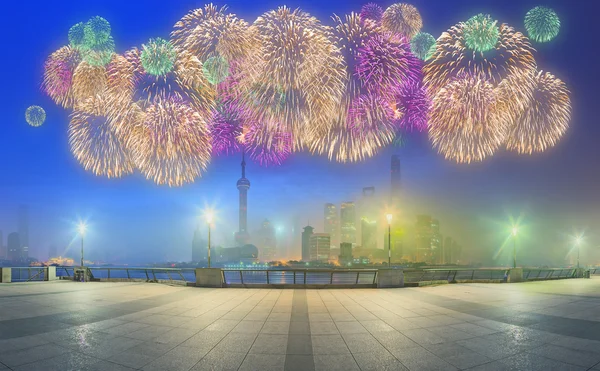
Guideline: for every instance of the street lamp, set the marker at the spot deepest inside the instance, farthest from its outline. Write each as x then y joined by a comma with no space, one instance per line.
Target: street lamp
81,228
578,241
209,219
389,220
514,235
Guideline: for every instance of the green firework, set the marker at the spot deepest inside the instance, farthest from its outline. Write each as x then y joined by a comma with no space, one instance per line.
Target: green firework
423,45
542,24
96,31
35,116
158,57
481,33
76,35
216,69
100,54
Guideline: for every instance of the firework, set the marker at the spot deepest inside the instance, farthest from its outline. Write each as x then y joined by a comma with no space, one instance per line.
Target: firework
413,105
468,119
267,147
88,81
100,54
211,31
402,18
542,24
371,12
509,66
386,64
545,120
295,56
481,33
216,69
423,45
94,141
172,144
58,75
158,57
226,125
96,31
35,116
76,35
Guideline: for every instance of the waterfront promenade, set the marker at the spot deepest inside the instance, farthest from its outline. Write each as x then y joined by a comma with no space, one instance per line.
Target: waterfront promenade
64,325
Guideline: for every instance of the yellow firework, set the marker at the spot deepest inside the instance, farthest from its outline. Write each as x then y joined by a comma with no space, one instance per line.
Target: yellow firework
94,141
402,18
58,75
209,31
546,118
89,82
468,119
171,145
296,75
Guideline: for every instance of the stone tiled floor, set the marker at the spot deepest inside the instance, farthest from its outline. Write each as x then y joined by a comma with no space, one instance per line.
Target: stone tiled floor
552,325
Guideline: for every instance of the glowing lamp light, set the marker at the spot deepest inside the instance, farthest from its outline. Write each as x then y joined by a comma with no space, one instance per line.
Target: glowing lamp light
209,217
514,231
81,228
389,218
578,240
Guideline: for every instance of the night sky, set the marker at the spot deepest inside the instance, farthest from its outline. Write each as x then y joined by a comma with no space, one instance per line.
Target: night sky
133,220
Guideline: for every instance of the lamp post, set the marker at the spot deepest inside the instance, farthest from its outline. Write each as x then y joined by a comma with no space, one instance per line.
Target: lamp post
81,227
578,240
514,235
389,220
209,219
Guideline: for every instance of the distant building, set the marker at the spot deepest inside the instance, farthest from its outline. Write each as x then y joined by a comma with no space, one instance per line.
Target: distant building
320,245
14,247
308,231
199,248
345,253
332,223
246,254
2,251
266,241
368,233
423,234
436,242
24,230
348,222
243,185
447,251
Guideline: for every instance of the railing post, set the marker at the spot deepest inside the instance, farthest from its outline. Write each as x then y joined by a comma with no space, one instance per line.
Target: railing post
473,275
551,273
375,276
454,277
331,278
145,271
241,277
169,274
108,273
539,273
304,276
154,275
127,271
357,275
181,275
267,276
294,277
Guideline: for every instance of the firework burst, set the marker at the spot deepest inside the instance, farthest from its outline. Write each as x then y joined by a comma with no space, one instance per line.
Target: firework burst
58,75
88,82
545,120
267,146
468,120
94,141
402,18
35,116
413,105
371,12
172,144
158,57
542,24
423,45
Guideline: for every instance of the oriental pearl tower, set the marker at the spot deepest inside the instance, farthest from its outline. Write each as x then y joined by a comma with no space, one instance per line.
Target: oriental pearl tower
243,184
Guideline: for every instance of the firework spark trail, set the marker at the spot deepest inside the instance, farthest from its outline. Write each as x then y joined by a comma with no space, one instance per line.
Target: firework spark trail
402,18
542,24
58,75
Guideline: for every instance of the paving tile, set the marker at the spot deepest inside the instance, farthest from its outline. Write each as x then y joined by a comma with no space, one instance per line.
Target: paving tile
236,342
180,358
457,355
263,362
360,343
423,336
351,327
566,355
375,361
66,361
248,327
533,362
336,362
220,360
324,328
299,328
204,340
329,344
276,328
419,358
299,344
270,344
104,366
298,362
30,355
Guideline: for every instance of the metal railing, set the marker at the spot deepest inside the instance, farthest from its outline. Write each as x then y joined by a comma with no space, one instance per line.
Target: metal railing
334,277
544,274
454,275
133,274
26,274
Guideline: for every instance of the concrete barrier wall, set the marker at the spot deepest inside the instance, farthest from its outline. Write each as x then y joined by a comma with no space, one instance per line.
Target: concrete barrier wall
209,277
5,275
387,278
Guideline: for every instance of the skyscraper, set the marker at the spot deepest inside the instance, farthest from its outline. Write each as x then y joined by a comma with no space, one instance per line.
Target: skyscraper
423,234
243,185
14,247
308,231
320,246
345,256
265,241
436,242
24,228
395,182
368,233
348,222
332,224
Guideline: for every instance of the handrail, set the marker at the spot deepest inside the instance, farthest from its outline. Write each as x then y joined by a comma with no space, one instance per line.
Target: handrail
329,277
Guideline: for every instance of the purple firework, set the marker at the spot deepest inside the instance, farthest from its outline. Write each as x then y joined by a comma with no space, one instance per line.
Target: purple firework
386,64
372,12
270,149
226,125
413,103
370,112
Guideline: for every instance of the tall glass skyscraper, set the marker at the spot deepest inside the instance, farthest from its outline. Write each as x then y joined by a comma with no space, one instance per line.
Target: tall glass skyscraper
332,224
348,222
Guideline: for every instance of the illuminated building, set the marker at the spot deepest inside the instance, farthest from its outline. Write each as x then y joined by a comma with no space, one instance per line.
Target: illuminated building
308,231
436,242
320,245
24,231
13,246
368,233
423,235
348,222
332,224
243,185
345,253
60,261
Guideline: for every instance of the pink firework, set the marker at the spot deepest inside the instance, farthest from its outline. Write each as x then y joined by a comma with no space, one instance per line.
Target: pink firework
413,105
58,75
385,64
226,125
266,146
371,12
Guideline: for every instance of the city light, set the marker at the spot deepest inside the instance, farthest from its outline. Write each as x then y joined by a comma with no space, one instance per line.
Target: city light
389,218
515,230
209,215
81,228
